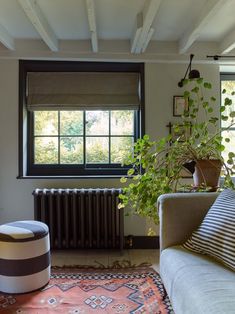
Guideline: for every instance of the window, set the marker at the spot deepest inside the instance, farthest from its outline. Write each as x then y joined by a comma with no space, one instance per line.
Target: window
81,122
88,139
228,83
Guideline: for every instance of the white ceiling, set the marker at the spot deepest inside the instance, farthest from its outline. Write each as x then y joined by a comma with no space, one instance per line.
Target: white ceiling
107,29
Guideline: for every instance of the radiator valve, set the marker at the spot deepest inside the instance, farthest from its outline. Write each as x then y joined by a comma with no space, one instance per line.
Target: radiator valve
129,241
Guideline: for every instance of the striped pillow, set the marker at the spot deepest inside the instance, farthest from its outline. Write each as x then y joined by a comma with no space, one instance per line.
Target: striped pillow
216,234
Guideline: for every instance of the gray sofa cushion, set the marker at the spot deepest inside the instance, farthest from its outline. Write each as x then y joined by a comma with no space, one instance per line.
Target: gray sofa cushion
197,284
216,234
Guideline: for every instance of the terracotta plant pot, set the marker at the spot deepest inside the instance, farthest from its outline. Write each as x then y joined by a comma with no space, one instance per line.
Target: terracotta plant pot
207,173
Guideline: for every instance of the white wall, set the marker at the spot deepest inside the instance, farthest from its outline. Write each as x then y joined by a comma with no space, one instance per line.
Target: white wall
16,201
161,84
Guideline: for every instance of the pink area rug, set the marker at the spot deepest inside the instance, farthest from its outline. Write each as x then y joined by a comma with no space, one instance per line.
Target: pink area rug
77,291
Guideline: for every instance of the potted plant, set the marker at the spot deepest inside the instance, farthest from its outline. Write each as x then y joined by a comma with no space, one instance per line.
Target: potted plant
156,166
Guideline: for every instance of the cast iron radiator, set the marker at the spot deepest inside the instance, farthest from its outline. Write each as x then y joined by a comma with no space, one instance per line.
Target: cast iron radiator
81,218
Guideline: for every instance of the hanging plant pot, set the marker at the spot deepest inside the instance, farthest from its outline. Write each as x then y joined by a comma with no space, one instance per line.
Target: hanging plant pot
207,173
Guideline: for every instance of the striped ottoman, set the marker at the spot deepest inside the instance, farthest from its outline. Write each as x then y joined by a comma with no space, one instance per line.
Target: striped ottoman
24,256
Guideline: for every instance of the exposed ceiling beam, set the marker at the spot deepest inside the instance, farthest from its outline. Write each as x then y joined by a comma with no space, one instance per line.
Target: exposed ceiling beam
144,32
92,24
6,39
40,23
111,50
148,38
209,10
94,41
138,30
228,43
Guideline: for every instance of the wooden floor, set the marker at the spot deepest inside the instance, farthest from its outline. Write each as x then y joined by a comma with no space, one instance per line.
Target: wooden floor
105,257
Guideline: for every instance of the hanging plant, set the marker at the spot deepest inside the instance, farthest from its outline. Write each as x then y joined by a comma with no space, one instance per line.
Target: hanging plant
156,166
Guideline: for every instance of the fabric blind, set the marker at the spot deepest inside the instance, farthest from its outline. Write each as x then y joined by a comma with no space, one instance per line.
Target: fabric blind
82,90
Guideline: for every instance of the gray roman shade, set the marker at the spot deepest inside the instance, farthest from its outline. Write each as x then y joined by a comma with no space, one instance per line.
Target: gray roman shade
82,90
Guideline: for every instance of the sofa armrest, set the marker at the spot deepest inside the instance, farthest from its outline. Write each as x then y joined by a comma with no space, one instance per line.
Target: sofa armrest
180,214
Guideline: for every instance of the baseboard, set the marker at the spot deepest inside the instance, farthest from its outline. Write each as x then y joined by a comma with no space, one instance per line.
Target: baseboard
141,242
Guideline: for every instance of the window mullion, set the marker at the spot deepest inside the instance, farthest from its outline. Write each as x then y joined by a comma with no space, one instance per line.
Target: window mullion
84,138
136,130
32,139
109,136
58,137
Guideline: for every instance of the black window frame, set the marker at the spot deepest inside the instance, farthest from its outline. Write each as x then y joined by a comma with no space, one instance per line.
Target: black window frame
226,77
26,127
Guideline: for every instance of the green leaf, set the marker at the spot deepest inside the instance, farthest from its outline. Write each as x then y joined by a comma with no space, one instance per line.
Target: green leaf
231,155
230,161
232,114
224,118
123,180
200,80
207,85
190,102
228,101
224,91
185,81
121,196
213,98
130,172
176,128
222,108
213,120
186,114
210,110
195,89
221,147
135,178
146,137
227,140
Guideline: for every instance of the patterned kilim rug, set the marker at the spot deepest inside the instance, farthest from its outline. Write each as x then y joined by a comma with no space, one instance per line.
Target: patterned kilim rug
81,291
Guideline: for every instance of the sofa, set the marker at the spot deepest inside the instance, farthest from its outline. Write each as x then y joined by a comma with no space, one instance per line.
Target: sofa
195,283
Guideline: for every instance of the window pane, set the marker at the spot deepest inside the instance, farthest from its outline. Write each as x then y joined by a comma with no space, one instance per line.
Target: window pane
46,150
122,122
97,122
121,148
97,150
230,87
229,147
71,122
46,122
71,150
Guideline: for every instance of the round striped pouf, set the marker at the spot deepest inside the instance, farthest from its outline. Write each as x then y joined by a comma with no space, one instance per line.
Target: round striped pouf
24,256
